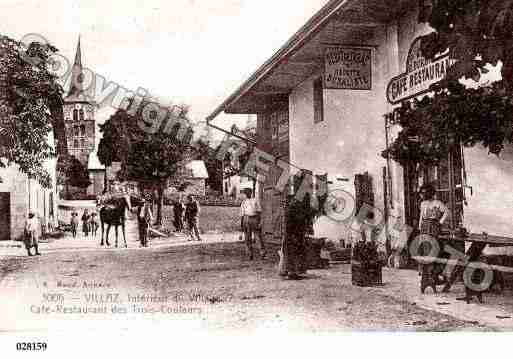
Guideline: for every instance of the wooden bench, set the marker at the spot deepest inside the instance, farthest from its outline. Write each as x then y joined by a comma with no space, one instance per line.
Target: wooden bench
474,254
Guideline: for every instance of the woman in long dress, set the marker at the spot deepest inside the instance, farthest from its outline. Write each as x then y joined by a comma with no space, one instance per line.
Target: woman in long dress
433,214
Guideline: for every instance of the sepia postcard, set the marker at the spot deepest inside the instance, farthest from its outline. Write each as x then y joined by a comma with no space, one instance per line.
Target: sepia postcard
241,167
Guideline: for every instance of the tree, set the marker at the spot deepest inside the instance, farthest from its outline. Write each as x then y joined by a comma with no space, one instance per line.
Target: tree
146,156
475,32
242,162
72,172
29,93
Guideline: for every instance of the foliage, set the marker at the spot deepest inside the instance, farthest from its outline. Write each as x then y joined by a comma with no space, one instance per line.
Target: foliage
28,94
475,32
235,163
453,115
72,172
151,157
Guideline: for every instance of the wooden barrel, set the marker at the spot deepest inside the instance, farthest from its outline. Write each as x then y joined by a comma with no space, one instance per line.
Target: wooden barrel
366,274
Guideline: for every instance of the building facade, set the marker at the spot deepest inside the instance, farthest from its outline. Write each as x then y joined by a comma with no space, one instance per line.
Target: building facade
19,195
320,102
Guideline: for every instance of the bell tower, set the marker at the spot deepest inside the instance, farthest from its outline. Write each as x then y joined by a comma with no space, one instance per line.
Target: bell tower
79,113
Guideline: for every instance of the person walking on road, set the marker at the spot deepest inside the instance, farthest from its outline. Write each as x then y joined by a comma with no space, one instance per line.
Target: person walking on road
74,224
32,227
86,219
192,211
144,220
250,212
94,224
178,212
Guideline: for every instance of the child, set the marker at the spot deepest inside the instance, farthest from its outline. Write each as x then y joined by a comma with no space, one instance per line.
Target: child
31,233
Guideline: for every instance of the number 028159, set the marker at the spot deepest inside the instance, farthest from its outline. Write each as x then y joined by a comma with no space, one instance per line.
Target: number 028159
31,346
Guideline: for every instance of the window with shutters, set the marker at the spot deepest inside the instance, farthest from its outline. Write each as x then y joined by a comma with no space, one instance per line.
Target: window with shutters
318,100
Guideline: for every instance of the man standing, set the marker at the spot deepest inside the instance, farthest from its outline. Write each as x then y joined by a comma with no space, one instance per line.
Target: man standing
250,212
192,210
178,212
144,219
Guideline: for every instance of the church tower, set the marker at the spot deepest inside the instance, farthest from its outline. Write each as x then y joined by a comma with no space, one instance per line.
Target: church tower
79,114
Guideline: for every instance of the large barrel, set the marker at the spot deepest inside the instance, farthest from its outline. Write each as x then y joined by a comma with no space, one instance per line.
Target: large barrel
366,274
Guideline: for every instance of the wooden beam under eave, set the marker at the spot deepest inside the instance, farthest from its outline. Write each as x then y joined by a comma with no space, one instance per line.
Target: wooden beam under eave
254,104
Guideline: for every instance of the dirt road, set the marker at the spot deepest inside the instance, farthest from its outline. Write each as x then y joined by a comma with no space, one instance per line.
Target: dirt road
202,286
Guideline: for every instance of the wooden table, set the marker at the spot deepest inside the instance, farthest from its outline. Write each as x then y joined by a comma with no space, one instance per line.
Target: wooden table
478,244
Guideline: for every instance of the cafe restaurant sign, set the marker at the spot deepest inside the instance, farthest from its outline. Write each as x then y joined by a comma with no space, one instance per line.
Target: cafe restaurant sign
347,68
420,74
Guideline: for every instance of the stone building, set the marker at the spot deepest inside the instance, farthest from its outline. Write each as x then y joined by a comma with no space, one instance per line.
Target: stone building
19,195
79,114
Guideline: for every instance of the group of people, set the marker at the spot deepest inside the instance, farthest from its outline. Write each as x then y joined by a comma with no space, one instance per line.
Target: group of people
186,217
90,223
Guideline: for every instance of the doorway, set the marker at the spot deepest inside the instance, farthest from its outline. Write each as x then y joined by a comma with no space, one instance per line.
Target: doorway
5,216
447,178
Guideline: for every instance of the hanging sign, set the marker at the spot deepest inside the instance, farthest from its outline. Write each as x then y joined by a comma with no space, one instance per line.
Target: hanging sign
347,68
420,74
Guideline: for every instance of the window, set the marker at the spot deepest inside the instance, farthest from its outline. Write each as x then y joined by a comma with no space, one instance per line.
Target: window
75,115
75,143
318,100
75,130
82,130
81,115
82,143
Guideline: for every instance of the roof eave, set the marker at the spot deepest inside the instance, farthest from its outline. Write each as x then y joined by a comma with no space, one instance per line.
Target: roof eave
308,30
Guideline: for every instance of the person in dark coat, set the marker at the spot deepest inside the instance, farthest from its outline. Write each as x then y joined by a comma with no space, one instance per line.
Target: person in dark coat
179,212
86,222
299,224
192,211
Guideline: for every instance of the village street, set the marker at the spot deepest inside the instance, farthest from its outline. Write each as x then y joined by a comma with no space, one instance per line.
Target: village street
181,285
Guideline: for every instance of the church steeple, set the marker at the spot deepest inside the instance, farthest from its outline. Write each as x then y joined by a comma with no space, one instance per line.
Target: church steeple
78,54
77,76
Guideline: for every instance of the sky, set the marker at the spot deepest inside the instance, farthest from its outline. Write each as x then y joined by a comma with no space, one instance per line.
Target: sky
182,51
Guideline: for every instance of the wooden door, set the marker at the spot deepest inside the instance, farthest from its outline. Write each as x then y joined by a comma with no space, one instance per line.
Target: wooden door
447,179
273,134
5,216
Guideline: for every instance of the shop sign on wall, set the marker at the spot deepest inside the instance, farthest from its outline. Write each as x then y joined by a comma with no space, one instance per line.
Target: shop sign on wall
347,68
420,74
